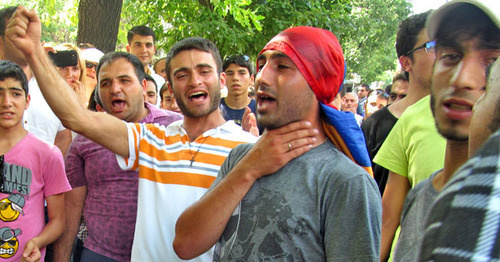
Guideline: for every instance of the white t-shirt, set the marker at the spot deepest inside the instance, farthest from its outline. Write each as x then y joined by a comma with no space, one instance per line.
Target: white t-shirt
39,118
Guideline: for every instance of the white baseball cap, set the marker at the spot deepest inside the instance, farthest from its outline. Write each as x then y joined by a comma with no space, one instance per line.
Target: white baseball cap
489,8
92,55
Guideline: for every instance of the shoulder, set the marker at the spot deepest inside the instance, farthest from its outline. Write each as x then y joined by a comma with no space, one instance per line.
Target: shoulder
336,164
231,131
421,187
39,151
161,116
40,146
416,109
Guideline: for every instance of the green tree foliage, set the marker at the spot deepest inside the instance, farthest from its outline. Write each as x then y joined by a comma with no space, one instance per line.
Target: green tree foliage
365,28
59,18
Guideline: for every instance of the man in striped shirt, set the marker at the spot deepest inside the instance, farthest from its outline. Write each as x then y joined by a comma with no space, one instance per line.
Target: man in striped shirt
177,163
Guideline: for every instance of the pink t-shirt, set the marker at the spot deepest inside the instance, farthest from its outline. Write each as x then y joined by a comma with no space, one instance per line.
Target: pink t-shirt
32,171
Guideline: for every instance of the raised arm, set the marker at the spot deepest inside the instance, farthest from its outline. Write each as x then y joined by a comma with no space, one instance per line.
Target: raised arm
23,31
200,226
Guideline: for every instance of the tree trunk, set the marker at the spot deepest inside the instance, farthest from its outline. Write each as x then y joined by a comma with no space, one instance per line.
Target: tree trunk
98,23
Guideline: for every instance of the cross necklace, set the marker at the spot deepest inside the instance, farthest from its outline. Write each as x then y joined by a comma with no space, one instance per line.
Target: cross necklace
191,153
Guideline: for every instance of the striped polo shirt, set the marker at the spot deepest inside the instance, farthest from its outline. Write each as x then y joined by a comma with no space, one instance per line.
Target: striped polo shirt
173,174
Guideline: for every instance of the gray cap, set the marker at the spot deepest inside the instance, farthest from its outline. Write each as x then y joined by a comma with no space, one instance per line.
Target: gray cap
489,8
7,233
17,202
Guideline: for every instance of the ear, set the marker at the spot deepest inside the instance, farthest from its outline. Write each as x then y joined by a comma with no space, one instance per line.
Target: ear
222,80
405,63
144,85
128,48
99,108
252,80
28,99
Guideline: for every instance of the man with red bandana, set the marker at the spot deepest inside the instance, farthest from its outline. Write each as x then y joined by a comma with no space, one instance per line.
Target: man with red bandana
292,197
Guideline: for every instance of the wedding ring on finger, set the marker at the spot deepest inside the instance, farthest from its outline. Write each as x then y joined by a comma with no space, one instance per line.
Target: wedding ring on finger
289,146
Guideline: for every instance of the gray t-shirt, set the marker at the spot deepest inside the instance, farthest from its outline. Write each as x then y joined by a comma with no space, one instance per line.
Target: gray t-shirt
415,209
321,206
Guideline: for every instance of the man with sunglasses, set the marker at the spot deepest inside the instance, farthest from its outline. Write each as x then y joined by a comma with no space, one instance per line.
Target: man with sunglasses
31,173
411,149
417,65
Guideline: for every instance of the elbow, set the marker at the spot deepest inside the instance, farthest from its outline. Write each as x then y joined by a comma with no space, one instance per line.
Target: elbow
182,248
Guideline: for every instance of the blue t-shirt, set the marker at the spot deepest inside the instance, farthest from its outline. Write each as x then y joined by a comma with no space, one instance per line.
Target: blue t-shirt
235,114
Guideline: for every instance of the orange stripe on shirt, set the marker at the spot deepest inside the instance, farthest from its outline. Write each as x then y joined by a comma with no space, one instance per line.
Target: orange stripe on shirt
176,178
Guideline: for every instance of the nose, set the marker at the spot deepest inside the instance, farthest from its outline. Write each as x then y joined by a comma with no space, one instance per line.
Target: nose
5,100
73,74
65,72
470,73
262,77
195,79
115,87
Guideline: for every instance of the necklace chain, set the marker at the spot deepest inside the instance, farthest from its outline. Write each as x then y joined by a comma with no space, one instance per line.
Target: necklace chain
198,150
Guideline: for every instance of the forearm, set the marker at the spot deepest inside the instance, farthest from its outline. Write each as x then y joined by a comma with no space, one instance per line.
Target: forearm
392,205
69,110
74,203
63,141
201,225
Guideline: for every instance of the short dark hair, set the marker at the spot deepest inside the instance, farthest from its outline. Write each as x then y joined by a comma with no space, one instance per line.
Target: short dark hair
10,69
466,22
5,14
148,77
388,88
366,86
240,60
408,31
140,30
97,96
163,89
136,63
191,43
407,35
399,76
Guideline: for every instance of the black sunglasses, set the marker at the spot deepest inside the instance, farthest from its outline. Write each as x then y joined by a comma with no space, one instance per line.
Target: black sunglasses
428,46
90,65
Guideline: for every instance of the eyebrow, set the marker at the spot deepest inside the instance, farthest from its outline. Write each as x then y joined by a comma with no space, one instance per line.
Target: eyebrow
184,69
15,88
120,76
273,56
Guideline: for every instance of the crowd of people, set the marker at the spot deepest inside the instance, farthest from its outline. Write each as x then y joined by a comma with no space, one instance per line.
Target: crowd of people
120,157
